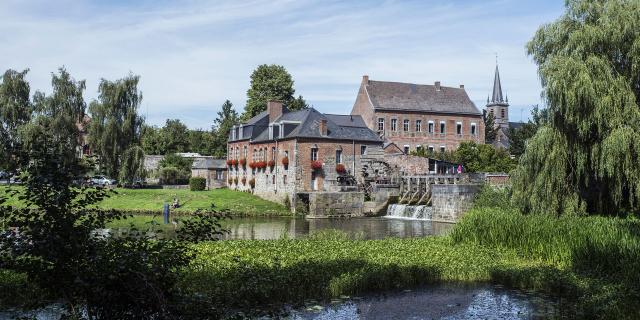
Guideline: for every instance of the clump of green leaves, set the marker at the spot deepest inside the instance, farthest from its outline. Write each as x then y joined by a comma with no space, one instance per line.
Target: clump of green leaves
585,159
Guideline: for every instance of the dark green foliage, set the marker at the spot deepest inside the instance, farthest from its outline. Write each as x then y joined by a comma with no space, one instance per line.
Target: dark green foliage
175,136
175,169
474,157
15,111
227,117
197,184
585,160
132,166
518,137
270,82
490,129
115,125
151,140
202,142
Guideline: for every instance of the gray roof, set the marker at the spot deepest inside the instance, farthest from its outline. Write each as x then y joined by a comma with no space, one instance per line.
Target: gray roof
496,95
339,127
208,163
419,97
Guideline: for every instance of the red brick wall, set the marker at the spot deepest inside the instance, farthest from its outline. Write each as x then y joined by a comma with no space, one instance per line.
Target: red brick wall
363,107
450,139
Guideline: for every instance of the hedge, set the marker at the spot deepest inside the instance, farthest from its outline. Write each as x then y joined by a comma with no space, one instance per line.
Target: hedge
197,183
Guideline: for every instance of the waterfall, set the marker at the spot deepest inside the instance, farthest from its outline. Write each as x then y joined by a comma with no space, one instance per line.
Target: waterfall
403,211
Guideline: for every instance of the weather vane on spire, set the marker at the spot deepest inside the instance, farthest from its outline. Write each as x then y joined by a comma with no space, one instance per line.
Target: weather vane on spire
496,57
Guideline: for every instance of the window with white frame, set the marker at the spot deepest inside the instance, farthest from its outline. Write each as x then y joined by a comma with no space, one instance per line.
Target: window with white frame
273,153
406,149
459,128
314,154
338,156
405,125
380,124
363,149
418,125
394,124
431,149
418,148
473,128
430,127
442,149
443,128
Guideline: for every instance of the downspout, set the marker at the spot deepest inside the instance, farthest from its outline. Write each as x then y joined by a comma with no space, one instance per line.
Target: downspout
276,165
354,157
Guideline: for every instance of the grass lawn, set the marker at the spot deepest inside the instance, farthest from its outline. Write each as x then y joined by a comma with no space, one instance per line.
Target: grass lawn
238,203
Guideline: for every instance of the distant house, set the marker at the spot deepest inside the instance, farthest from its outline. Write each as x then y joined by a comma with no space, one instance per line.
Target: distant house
281,153
214,170
417,116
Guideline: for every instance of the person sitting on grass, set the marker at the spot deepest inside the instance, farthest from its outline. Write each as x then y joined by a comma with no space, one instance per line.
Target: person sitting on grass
176,203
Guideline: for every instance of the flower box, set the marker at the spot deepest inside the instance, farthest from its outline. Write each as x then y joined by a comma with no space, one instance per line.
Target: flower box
316,165
271,163
340,168
242,161
285,161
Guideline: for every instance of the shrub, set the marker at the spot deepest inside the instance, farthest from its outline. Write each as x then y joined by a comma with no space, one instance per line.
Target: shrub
197,183
252,183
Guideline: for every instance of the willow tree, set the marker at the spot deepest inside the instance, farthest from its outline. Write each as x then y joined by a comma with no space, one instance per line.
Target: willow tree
132,166
15,111
585,160
115,125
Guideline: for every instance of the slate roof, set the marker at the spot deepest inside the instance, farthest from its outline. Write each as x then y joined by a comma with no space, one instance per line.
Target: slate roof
419,97
339,127
208,163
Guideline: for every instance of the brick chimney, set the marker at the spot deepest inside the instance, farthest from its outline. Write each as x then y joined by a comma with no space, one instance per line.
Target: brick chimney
323,127
462,86
437,84
365,79
274,109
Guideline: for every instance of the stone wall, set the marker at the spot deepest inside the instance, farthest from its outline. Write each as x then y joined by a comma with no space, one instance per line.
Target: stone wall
409,165
211,176
335,204
451,201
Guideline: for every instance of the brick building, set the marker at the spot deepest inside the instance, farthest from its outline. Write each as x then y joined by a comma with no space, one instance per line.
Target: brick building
279,154
415,116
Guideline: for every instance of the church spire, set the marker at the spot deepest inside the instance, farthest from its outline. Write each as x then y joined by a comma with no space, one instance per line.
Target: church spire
497,88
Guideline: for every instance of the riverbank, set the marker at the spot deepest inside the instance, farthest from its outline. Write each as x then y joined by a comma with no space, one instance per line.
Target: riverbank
589,263
150,201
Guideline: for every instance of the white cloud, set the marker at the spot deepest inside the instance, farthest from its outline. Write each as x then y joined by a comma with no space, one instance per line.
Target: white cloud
193,55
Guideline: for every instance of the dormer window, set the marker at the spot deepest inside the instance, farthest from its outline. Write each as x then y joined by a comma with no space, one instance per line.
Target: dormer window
270,132
241,132
233,133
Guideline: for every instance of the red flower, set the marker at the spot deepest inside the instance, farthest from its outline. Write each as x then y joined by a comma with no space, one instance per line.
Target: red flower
316,165
263,164
271,163
285,161
252,164
242,161
340,168
229,162
234,162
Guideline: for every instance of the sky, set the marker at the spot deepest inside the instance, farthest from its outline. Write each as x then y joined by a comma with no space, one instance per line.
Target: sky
193,55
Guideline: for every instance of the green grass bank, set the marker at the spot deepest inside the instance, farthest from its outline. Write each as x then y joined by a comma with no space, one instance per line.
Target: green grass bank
237,203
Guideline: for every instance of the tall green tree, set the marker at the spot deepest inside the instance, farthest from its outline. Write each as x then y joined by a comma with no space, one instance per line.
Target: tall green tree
227,117
132,166
201,141
151,140
271,82
59,114
490,129
175,136
586,159
115,125
15,111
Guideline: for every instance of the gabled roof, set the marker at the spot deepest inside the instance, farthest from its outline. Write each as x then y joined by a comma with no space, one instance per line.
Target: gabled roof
419,97
496,95
307,125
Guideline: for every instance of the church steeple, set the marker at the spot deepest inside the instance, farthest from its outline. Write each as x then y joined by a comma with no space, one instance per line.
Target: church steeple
496,97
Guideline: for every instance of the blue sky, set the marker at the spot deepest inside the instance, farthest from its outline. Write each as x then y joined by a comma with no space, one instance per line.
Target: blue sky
192,55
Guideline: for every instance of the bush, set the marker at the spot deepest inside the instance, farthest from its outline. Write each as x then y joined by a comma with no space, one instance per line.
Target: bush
197,183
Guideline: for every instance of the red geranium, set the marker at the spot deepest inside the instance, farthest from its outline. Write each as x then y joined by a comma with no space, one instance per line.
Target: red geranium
316,165
242,161
252,164
285,161
234,162
262,164
271,163
340,168
229,162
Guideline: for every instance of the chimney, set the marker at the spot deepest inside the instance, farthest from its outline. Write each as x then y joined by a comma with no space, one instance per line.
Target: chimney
437,84
365,79
274,109
462,86
323,127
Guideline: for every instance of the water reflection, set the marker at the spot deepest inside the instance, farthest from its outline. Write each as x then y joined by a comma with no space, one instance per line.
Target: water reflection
365,228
